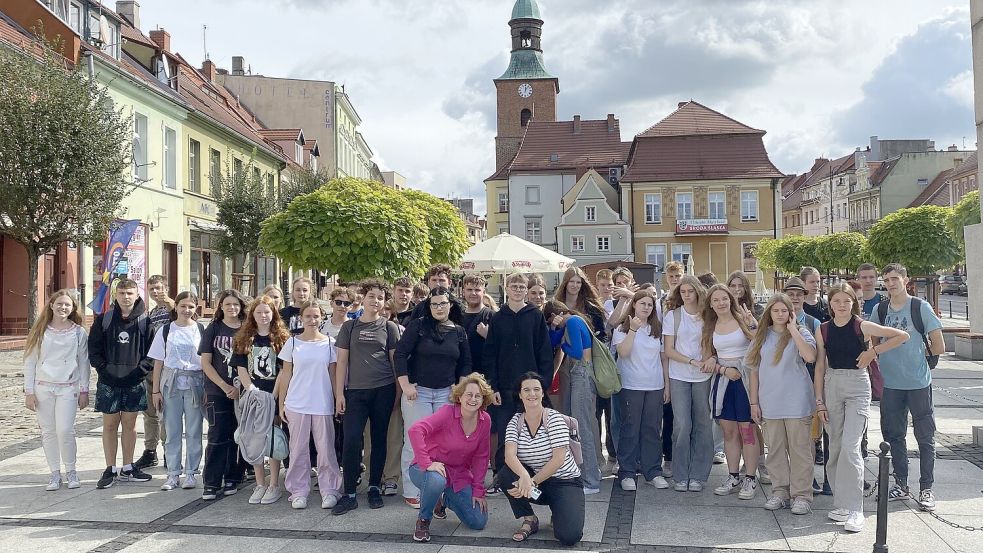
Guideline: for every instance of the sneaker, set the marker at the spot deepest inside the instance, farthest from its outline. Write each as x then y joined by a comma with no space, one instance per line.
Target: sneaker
361,470
719,458
190,482
926,500
299,503
730,485
134,475
73,480
389,488
820,458
816,488
492,491
422,531
230,488
695,486
855,523
328,501
667,469
897,493
257,495
272,495
826,490
345,504
748,488
375,498
413,502
210,493
801,507
440,509
659,482
591,491
148,459
775,503
627,484
681,486
838,515
170,483
54,483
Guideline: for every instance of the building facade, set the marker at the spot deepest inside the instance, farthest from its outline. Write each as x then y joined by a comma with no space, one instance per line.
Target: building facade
591,229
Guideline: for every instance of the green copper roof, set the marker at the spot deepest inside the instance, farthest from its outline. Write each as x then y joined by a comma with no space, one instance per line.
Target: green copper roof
526,9
526,64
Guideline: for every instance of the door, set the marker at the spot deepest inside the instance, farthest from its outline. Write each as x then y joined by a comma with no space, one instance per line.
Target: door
169,266
718,260
50,278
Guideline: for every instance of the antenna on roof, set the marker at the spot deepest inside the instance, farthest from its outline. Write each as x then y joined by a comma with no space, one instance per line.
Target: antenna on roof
204,40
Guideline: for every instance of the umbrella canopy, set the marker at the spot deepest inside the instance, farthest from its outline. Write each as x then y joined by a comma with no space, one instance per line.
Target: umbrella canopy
505,253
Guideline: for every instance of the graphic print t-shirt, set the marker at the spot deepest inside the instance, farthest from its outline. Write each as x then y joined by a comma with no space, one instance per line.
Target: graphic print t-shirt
217,341
261,362
291,318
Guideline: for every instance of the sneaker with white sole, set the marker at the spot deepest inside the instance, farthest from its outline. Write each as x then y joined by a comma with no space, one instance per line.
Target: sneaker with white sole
390,488
730,485
73,480
838,515
898,492
855,523
801,507
695,486
54,483
170,483
775,503
659,482
190,482
748,488
926,500
719,458
272,495
628,484
329,501
681,486
591,491
257,495
107,479
299,503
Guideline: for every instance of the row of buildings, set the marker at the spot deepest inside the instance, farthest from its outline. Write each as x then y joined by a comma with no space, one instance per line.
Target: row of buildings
192,127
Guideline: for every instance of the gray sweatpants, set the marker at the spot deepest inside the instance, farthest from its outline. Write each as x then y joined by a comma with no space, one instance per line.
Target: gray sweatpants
847,393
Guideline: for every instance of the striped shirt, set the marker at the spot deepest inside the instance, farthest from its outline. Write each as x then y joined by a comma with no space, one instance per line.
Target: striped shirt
536,451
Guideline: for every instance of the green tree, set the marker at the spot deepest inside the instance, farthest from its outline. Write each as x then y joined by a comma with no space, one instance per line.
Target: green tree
244,202
918,238
765,250
965,213
298,182
354,228
841,251
792,254
446,231
64,155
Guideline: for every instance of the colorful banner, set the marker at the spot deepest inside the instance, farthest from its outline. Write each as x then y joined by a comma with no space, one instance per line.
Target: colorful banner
119,238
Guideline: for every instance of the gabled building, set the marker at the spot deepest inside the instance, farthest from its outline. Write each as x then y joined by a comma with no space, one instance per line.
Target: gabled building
791,200
825,195
591,229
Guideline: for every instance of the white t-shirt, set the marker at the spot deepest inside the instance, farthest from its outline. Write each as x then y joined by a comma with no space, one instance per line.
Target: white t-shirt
310,391
182,350
330,329
731,345
642,368
687,343
609,307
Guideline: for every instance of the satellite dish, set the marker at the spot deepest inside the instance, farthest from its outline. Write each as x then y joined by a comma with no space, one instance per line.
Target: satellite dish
104,35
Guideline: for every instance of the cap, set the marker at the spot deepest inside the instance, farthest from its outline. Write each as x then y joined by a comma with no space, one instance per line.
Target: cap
794,283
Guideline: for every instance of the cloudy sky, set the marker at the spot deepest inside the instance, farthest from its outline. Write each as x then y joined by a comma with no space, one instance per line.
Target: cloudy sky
821,77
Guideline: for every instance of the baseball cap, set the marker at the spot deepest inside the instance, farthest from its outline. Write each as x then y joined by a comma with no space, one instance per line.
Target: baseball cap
794,283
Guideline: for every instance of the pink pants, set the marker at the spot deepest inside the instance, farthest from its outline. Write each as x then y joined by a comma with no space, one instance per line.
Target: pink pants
298,477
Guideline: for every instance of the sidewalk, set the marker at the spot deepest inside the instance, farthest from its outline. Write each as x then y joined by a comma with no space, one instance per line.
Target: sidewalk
137,517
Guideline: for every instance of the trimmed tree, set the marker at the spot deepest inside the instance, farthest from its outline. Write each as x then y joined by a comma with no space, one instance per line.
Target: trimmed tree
792,253
298,182
64,155
446,232
765,250
965,213
919,238
244,202
841,251
354,228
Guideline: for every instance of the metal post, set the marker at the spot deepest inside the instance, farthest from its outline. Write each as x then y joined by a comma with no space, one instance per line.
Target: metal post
883,472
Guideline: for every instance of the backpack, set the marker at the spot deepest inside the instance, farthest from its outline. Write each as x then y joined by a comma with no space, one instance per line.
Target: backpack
916,320
576,449
605,374
876,380
142,321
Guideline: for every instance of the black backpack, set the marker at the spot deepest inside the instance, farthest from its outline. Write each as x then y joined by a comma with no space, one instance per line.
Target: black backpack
916,320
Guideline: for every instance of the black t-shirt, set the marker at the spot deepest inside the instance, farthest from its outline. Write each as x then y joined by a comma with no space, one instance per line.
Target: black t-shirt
261,362
475,341
217,340
291,318
820,310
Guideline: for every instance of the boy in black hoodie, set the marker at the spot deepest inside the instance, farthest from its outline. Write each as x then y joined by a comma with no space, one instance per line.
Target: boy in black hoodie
118,345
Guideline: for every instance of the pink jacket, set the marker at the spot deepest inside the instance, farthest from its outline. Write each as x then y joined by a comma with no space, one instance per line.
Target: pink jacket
440,437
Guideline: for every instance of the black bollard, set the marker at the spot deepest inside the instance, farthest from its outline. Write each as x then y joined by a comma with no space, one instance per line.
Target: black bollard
883,473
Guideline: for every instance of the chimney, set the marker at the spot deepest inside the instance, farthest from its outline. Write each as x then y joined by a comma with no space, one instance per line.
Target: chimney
162,38
576,124
130,10
237,65
611,122
208,69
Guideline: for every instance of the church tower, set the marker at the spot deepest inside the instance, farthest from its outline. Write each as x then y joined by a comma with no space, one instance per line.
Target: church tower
526,90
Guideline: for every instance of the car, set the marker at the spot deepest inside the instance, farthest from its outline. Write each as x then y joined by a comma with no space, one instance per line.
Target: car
952,285
880,285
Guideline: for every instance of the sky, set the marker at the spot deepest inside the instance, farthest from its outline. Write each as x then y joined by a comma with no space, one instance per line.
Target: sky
820,77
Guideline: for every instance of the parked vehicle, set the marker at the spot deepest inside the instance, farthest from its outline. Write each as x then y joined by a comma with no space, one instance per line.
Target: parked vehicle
952,285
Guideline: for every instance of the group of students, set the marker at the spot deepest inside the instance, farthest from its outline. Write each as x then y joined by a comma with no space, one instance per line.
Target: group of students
429,394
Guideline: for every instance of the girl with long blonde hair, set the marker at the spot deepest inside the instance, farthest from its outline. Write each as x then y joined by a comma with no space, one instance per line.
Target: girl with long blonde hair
56,382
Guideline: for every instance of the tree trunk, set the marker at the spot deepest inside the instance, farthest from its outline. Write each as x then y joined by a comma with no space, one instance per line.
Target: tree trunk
33,257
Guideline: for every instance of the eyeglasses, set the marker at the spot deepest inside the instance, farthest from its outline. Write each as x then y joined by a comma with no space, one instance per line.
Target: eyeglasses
342,303
517,287
440,305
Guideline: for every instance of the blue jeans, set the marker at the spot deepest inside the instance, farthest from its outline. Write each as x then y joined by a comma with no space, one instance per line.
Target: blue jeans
581,395
427,401
692,434
432,485
182,419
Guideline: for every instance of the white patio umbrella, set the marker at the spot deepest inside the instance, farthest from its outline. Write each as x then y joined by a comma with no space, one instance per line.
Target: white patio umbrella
505,254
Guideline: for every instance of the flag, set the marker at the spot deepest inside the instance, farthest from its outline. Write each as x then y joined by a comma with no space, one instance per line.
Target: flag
119,238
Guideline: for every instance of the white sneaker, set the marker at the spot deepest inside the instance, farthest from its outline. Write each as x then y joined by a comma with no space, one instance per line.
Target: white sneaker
170,483
730,485
190,482
681,486
801,507
695,486
838,515
748,488
257,495
775,503
628,484
299,503
272,495
719,458
73,480
54,483
855,523
329,502
659,482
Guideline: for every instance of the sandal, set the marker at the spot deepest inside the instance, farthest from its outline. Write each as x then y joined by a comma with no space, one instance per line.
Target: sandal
528,528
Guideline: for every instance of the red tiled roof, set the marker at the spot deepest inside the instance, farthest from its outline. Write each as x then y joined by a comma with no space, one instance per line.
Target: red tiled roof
13,34
133,35
884,169
693,118
967,167
552,145
310,144
931,194
726,156
281,134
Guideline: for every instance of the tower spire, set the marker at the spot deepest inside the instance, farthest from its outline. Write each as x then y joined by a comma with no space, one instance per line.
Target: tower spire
527,51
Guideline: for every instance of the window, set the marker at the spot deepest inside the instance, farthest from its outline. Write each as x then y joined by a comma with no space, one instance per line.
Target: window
215,172
577,243
656,255
684,205
256,175
524,117
298,153
194,165
837,212
236,170
75,17
590,214
682,251
270,186
534,231
503,202
140,146
170,158
715,202
653,209
532,194
603,243
503,229
922,182
749,205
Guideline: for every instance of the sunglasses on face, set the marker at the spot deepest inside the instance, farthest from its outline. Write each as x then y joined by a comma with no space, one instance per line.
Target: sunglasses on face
342,303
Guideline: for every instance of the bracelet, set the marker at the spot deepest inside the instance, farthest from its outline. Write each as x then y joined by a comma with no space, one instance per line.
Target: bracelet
754,405
819,402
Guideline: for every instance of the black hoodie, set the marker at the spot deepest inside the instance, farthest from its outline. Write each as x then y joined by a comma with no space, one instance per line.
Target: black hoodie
119,354
517,343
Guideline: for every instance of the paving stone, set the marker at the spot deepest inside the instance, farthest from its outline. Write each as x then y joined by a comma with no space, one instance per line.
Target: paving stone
707,526
53,540
170,542
961,541
139,502
906,533
502,523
